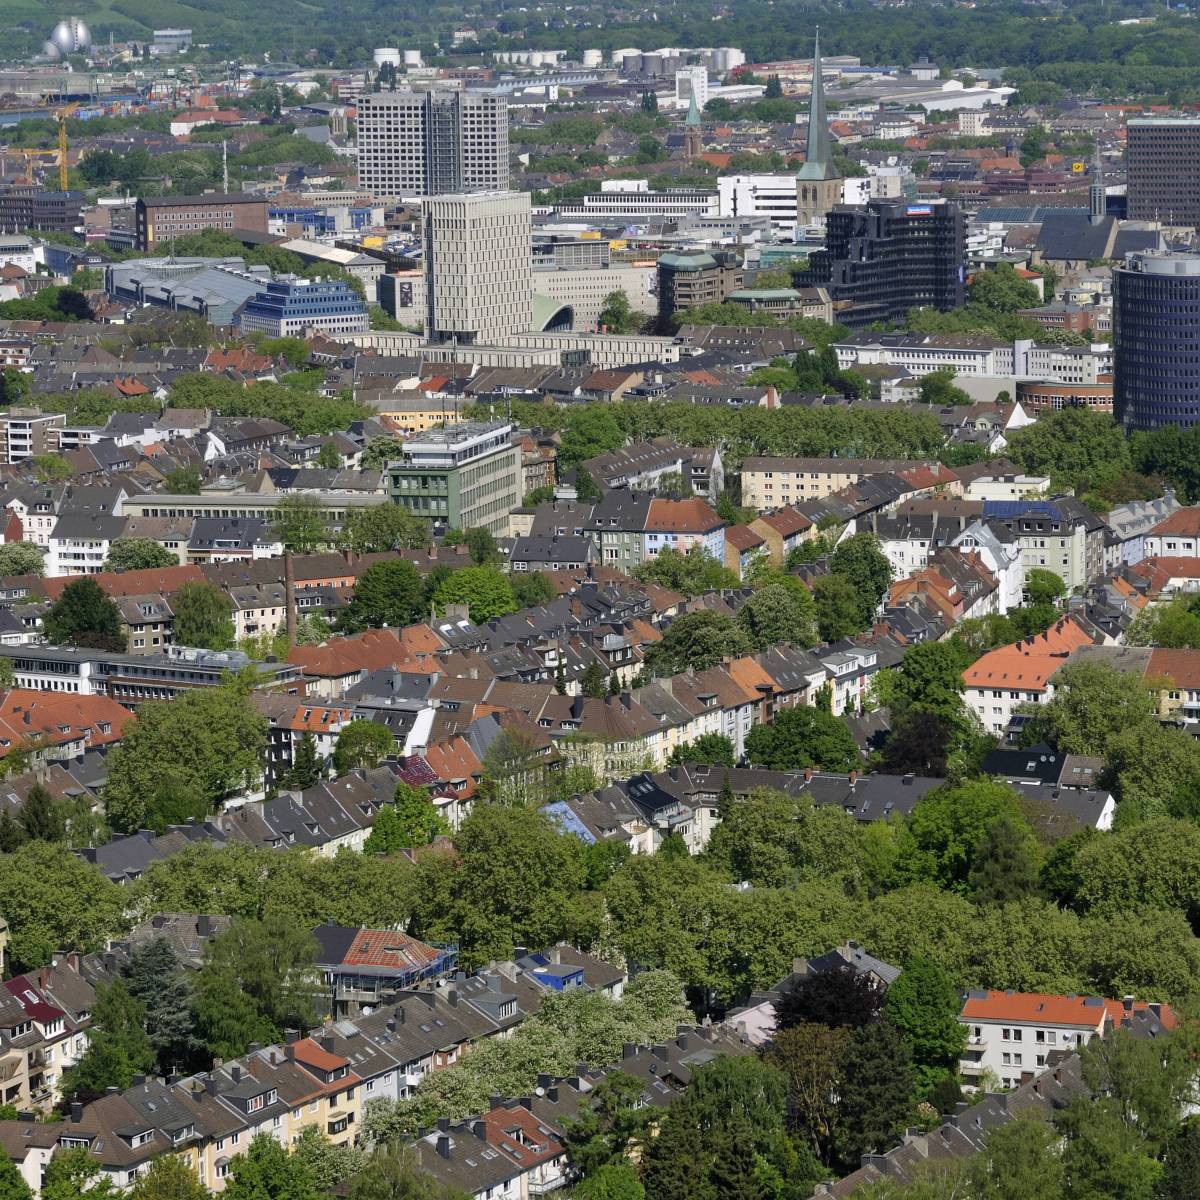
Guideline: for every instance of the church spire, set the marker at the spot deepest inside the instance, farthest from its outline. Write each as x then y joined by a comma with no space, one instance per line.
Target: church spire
818,158
692,120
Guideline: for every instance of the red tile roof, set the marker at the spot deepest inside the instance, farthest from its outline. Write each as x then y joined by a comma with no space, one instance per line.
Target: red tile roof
386,948
131,583
683,516
59,718
1050,1009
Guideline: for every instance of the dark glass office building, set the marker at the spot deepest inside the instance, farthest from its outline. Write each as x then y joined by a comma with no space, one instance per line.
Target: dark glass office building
892,255
1156,340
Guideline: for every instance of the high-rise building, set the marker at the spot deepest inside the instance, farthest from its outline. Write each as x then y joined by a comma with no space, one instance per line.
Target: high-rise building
882,260
818,184
1162,162
290,307
691,278
478,266
465,476
432,143
1156,340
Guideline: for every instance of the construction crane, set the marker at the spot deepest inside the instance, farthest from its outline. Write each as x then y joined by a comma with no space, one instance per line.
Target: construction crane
30,155
61,116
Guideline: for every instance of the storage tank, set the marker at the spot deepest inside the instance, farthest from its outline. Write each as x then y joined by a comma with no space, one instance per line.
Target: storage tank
619,56
412,58
537,59
652,63
592,58
386,54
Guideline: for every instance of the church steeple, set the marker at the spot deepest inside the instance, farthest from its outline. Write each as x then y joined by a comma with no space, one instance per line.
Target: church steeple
692,120
818,158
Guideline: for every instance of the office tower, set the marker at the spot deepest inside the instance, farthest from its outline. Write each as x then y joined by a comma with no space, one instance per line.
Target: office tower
478,267
818,185
690,278
1156,340
1162,160
158,219
465,476
289,307
882,260
432,143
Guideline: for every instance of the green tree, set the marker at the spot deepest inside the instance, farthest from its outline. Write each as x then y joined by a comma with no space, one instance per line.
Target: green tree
587,491
12,1182
84,616
53,899
183,481
378,452
271,963
1092,704
180,758
51,468
693,573
202,616
929,679
1002,290
612,1122
859,560
118,1047
362,743
612,1181
709,749
592,682
698,640
301,523
837,607
138,554
811,1058
617,315
388,593
168,1178
481,546
328,457
157,981
41,817
412,819
306,768
591,429
803,737
327,1164
21,558
923,1004
485,590
1076,447
777,613
878,1085
1019,1161
938,388
268,1172
75,1175
1181,1166
383,527
1006,864
531,588
1044,587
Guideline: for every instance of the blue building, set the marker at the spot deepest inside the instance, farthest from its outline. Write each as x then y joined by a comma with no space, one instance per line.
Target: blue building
1156,340
324,220
289,307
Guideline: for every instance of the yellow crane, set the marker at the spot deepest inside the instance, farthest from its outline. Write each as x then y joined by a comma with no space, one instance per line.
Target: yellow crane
61,115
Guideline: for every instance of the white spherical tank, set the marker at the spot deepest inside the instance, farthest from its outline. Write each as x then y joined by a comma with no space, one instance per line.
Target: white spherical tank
71,36
386,54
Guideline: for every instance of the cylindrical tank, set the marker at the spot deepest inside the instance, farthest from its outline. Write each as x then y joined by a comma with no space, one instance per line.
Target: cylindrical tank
652,63
537,59
386,54
619,56
412,58
592,58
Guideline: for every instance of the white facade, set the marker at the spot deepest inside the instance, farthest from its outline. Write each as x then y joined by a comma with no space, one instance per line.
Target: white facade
478,267
586,290
771,196
1002,558
1006,487
691,81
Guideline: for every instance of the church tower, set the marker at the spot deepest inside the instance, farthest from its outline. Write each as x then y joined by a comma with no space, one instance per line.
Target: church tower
693,146
818,185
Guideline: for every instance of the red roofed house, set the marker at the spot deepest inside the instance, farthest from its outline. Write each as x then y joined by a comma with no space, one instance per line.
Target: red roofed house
367,967
681,524
743,546
1010,1034
782,531
60,724
1177,535
1009,676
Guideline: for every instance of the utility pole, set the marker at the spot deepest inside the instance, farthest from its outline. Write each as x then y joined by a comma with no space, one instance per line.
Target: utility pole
225,168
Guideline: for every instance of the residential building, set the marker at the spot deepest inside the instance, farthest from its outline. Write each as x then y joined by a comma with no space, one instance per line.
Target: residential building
769,482
161,218
28,432
1162,164
892,256
1156,340
478,269
416,144
1061,535
1177,536
1011,1035
465,476
295,307
1001,680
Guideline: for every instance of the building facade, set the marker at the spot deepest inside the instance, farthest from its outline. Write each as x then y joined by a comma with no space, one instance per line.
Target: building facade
23,207
889,257
432,143
1162,163
158,219
466,476
290,307
478,267
690,279
1156,340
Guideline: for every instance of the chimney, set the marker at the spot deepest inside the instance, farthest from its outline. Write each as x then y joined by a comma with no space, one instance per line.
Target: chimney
391,1023
543,1079
76,1111
443,1145
1155,1008
808,773
204,927
479,1129
235,1073
628,1049
452,997
291,1035
210,1085
443,1123
1127,1003
327,1043
853,777
552,1094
